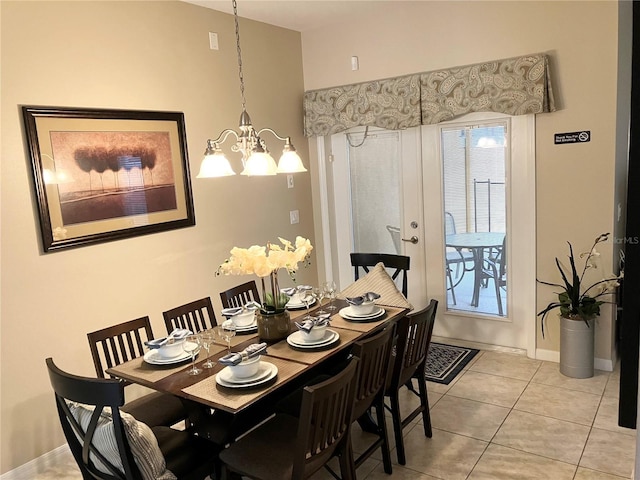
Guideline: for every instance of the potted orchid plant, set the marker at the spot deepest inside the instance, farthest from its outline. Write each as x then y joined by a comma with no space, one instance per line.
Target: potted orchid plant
578,305
265,262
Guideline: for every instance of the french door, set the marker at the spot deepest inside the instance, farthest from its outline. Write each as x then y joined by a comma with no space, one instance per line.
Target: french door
395,192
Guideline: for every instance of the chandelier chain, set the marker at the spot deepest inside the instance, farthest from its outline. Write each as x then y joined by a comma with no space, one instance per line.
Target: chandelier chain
235,16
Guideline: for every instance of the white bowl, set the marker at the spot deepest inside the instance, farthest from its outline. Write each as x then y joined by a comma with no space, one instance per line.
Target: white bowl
171,349
315,334
364,309
246,369
243,319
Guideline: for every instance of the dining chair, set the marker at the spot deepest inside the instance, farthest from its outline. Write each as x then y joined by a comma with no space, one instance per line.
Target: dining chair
413,339
120,343
494,267
240,295
195,316
374,354
109,444
400,263
286,447
456,256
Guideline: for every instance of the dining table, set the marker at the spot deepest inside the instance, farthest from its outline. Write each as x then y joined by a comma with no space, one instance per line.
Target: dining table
295,366
477,243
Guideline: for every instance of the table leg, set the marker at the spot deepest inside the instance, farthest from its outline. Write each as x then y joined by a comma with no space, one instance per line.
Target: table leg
477,275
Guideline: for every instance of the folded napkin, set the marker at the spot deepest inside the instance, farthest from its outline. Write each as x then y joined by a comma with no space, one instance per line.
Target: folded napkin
177,334
250,352
321,320
232,311
289,292
367,297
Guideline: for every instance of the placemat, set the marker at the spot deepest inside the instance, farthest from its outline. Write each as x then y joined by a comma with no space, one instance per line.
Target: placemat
283,350
339,322
152,373
235,399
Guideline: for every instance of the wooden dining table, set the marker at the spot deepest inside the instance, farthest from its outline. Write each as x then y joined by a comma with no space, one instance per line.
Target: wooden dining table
294,365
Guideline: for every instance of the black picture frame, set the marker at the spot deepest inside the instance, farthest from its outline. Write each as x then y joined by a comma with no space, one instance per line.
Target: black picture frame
101,175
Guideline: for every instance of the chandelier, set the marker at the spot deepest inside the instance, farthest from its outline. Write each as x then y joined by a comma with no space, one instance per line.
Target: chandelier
256,158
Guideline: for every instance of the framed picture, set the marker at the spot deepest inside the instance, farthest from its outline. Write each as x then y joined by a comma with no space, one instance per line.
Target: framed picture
103,175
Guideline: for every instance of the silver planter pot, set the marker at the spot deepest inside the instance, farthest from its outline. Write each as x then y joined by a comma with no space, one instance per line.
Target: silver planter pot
576,347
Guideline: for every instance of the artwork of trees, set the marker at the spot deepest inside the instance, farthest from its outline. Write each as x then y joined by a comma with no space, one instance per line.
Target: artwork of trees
100,159
113,174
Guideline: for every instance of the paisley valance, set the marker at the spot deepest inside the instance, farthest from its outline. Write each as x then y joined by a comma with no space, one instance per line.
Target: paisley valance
514,86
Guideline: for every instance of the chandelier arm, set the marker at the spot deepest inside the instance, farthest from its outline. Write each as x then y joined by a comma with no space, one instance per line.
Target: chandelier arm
284,139
223,136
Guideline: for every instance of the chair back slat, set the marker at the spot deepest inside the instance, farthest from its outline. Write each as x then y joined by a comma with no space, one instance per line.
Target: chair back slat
240,295
195,316
399,264
325,419
114,345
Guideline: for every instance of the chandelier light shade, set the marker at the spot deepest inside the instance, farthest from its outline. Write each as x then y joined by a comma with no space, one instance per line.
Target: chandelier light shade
256,158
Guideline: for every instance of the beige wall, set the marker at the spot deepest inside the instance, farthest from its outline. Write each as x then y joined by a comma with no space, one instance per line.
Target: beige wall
145,56
575,183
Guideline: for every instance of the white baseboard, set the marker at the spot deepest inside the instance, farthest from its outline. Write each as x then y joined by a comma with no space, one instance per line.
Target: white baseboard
553,356
38,465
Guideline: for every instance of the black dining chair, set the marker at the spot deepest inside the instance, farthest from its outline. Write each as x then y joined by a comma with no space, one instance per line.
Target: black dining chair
287,447
195,316
374,354
398,264
240,295
413,339
120,343
111,445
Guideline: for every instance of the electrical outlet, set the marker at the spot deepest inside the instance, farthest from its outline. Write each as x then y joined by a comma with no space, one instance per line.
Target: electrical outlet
289,181
294,216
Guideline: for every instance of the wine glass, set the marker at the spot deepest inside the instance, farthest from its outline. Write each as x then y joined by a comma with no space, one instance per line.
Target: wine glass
208,338
307,298
191,345
330,291
227,331
318,294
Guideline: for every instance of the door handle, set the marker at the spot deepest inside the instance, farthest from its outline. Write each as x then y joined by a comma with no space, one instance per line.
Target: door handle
413,240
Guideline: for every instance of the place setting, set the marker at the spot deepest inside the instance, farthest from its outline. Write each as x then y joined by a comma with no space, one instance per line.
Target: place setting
300,297
245,369
362,308
169,350
313,333
244,318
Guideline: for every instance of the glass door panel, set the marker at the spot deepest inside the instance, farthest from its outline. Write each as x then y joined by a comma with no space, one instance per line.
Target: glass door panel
375,198
475,212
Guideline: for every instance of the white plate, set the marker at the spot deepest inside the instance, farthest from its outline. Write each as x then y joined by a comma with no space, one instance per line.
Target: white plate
154,358
247,328
298,306
297,340
351,312
266,372
347,314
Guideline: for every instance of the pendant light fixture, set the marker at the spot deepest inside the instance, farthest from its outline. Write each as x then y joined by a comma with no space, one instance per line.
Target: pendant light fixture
256,158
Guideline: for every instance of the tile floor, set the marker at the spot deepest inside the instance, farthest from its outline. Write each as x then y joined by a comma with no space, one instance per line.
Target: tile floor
505,417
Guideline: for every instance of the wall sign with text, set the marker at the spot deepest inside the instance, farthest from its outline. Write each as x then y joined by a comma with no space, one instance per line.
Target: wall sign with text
572,137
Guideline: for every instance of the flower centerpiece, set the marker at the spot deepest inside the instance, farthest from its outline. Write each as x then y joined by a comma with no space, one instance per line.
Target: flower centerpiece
579,305
265,262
